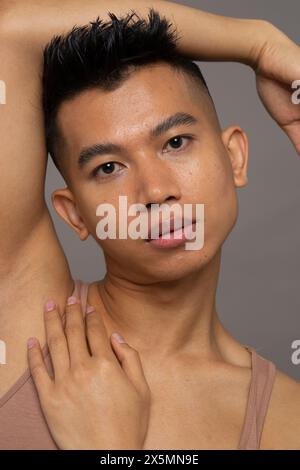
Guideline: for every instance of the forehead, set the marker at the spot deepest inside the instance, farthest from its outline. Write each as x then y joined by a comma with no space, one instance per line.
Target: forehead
132,109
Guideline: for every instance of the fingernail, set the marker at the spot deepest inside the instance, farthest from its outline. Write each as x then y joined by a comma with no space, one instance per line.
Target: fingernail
118,338
50,305
31,342
90,309
71,300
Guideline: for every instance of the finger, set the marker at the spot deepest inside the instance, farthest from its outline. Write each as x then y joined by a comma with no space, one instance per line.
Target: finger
37,367
97,334
130,361
75,332
56,340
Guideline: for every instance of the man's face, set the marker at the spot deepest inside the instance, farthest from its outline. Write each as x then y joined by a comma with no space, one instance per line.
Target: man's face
195,169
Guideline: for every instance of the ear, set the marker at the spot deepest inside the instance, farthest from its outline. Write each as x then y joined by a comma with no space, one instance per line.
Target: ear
236,144
64,204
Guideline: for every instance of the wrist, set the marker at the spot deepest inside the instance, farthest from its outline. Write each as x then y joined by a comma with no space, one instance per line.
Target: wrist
260,33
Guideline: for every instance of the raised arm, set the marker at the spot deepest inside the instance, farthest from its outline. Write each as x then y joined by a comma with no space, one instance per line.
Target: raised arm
25,28
203,35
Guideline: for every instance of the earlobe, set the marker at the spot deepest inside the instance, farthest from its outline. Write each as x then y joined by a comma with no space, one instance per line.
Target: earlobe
64,204
236,143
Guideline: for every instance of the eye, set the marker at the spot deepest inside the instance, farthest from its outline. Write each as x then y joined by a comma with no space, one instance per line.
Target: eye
105,170
177,142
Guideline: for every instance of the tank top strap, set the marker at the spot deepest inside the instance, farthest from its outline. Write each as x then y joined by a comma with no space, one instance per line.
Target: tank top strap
261,385
81,292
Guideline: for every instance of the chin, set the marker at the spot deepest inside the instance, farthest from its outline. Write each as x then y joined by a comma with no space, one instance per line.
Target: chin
181,266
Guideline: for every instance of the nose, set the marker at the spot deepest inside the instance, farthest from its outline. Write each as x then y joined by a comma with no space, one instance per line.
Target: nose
157,183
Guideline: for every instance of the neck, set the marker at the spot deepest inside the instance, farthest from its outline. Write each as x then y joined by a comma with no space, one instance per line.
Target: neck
169,319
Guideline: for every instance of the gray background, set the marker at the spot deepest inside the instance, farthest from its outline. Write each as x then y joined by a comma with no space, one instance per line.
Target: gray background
258,297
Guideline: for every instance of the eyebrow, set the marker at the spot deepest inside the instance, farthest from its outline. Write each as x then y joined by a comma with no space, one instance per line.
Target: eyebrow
104,148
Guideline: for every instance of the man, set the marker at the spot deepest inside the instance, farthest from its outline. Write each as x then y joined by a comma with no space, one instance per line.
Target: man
30,245
134,118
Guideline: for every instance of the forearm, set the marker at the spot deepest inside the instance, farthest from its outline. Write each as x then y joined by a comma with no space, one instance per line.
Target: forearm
203,36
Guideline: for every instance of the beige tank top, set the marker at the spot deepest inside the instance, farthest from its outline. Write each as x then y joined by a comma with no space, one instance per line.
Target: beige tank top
23,426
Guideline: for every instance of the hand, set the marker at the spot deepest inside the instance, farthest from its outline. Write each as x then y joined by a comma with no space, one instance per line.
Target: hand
277,67
99,397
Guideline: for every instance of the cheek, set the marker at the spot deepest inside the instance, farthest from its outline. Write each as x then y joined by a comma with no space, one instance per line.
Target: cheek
210,182
109,213
87,204
221,201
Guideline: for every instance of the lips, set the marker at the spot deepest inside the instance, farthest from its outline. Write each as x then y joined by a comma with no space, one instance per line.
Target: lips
175,224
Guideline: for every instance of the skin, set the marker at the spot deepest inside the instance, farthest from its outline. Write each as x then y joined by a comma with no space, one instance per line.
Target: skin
29,244
188,353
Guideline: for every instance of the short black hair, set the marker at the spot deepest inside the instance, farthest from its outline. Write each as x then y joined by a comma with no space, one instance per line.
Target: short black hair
102,55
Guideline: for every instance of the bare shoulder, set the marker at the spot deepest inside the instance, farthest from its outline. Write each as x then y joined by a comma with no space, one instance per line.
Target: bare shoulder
282,424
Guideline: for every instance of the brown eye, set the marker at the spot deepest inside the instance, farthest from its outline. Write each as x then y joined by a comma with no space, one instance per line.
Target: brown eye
106,170
108,167
178,141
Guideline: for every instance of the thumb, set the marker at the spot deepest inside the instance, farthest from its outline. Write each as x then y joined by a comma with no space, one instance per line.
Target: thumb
130,361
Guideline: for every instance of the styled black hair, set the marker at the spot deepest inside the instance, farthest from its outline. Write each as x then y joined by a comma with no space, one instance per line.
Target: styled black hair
103,54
